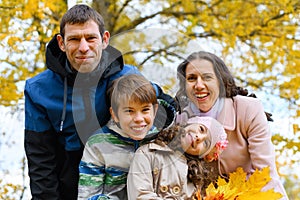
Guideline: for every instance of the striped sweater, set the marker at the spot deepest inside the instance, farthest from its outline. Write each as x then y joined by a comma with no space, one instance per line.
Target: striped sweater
105,164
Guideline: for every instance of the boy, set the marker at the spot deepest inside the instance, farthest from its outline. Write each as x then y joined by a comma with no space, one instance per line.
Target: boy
107,154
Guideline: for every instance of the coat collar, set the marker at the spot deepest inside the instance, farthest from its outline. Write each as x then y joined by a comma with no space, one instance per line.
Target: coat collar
154,146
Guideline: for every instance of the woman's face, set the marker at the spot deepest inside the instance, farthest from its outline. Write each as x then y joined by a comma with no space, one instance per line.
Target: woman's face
197,139
202,85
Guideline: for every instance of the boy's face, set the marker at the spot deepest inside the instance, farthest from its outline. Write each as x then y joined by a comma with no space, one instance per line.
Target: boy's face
83,45
197,139
135,119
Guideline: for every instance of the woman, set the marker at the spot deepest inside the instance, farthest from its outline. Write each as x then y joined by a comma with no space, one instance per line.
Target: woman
207,88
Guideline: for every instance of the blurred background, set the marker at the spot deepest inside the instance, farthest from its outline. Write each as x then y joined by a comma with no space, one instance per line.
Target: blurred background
259,41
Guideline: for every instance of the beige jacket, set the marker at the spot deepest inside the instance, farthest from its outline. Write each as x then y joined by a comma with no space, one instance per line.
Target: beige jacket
158,172
249,136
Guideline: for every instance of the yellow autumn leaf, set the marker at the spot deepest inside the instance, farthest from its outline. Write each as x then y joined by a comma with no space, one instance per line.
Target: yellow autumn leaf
240,188
258,180
270,195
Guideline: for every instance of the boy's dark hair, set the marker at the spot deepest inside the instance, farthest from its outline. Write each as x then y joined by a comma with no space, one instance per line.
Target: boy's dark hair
79,14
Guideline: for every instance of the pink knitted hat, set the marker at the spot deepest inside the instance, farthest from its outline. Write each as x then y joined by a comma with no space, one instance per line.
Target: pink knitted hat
216,130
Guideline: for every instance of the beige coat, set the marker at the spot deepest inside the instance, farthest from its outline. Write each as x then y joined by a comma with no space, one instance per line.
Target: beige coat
158,172
250,145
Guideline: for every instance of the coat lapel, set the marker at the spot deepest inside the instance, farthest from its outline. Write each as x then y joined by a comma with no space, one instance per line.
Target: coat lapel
227,117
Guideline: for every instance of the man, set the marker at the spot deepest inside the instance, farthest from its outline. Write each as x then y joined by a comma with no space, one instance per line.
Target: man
67,102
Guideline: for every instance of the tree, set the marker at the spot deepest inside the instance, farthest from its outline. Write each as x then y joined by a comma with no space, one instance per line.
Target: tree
258,39
264,35
26,27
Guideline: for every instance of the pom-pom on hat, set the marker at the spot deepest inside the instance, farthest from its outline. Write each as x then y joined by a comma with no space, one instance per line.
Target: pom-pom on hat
217,132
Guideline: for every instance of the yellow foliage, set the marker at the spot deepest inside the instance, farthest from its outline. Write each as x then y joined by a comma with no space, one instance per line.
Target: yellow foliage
239,188
296,128
13,40
9,191
9,94
267,28
24,25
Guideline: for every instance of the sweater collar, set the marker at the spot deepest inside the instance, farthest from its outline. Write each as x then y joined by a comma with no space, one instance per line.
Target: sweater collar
225,114
213,112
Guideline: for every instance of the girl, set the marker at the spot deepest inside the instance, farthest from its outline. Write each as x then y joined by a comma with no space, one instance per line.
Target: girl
170,167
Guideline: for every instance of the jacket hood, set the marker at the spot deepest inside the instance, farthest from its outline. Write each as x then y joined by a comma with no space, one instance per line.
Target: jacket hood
56,60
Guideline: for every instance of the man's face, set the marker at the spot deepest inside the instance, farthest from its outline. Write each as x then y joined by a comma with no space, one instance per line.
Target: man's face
83,45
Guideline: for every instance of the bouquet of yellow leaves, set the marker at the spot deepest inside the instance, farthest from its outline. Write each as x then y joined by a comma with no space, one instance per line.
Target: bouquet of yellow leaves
240,188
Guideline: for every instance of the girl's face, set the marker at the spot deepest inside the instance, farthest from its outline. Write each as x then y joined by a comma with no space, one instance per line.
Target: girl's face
197,139
202,85
135,119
